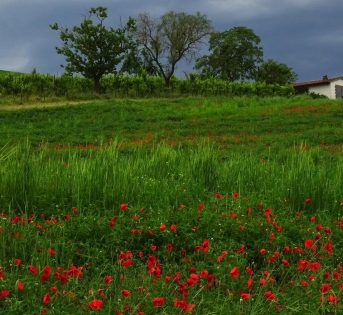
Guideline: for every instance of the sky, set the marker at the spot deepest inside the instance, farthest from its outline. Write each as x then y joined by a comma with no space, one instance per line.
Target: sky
307,35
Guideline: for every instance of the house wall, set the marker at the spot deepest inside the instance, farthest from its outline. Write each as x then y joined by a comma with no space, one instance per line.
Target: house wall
324,89
332,87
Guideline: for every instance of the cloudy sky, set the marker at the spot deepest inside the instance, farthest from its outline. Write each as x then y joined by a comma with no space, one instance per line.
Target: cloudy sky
305,34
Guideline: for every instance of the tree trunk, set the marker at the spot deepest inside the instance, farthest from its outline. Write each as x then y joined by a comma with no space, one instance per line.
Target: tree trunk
97,85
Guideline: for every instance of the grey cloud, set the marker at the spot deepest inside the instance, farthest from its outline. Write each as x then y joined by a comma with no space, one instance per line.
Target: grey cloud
306,34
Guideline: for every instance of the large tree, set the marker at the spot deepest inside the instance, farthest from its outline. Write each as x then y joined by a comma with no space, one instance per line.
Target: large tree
172,37
92,49
273,72
234,54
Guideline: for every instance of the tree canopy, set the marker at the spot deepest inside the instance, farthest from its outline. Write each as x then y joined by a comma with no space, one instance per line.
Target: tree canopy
172,37
234,55
92,49
273,72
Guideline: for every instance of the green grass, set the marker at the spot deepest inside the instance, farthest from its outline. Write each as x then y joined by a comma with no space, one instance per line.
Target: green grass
240,123
157,155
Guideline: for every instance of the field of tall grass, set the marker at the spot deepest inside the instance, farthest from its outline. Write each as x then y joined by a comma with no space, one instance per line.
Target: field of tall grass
202,206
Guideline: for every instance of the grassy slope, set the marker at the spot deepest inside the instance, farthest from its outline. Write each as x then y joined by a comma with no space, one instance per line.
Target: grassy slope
252,123
280,176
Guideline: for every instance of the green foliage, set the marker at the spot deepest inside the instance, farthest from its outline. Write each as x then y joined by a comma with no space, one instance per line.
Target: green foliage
173,37
121,85
273,72
234,55
94,50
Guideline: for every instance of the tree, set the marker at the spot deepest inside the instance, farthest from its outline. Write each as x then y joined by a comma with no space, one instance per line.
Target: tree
92,49
234,55
169,39
273,72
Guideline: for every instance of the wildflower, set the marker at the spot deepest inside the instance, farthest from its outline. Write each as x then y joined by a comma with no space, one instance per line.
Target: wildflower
46,298
123,206
125,293
108,279
17,261
158,301
51,251
95,304
235,194
20,285
324,288
245,296
173,227
234,272
33,270
308,200
163,227
4,293
308,243
269,295
262,251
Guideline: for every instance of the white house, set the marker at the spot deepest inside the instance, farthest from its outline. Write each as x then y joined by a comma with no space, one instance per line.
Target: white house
332,88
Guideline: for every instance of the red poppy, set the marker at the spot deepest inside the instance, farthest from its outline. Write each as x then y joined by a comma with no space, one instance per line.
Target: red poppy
234,273
235,194
33,270
308,200
269,295
108,279
245,296
20,285
123,206
125,293
95,304
173,227
324,288
163,227
158,301
17,261
46,298
51,251
4,293
308,243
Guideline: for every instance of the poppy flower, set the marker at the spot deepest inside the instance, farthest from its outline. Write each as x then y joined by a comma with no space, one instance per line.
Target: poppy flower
308,200
324,288
108,279
269,295
33,270
235,194
125,293
20,285
158,301
95,304
17,261
245,296
46,298
234,273
308,243
4,293
173,227
123,206
163,227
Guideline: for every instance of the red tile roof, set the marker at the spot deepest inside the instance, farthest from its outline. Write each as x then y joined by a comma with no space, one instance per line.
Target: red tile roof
316,82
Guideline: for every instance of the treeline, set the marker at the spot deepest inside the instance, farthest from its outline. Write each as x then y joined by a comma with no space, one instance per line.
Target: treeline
122,85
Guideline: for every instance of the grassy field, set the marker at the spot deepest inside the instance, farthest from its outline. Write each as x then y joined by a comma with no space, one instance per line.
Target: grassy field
209,206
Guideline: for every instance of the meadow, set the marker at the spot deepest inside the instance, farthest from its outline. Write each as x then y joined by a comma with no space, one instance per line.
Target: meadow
195,205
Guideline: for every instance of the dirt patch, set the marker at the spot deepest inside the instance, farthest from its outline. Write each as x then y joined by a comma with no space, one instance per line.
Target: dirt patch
10,107
309,108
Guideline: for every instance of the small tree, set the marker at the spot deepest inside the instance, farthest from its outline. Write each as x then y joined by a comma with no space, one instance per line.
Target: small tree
234,55
171,38
273,72
91,48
